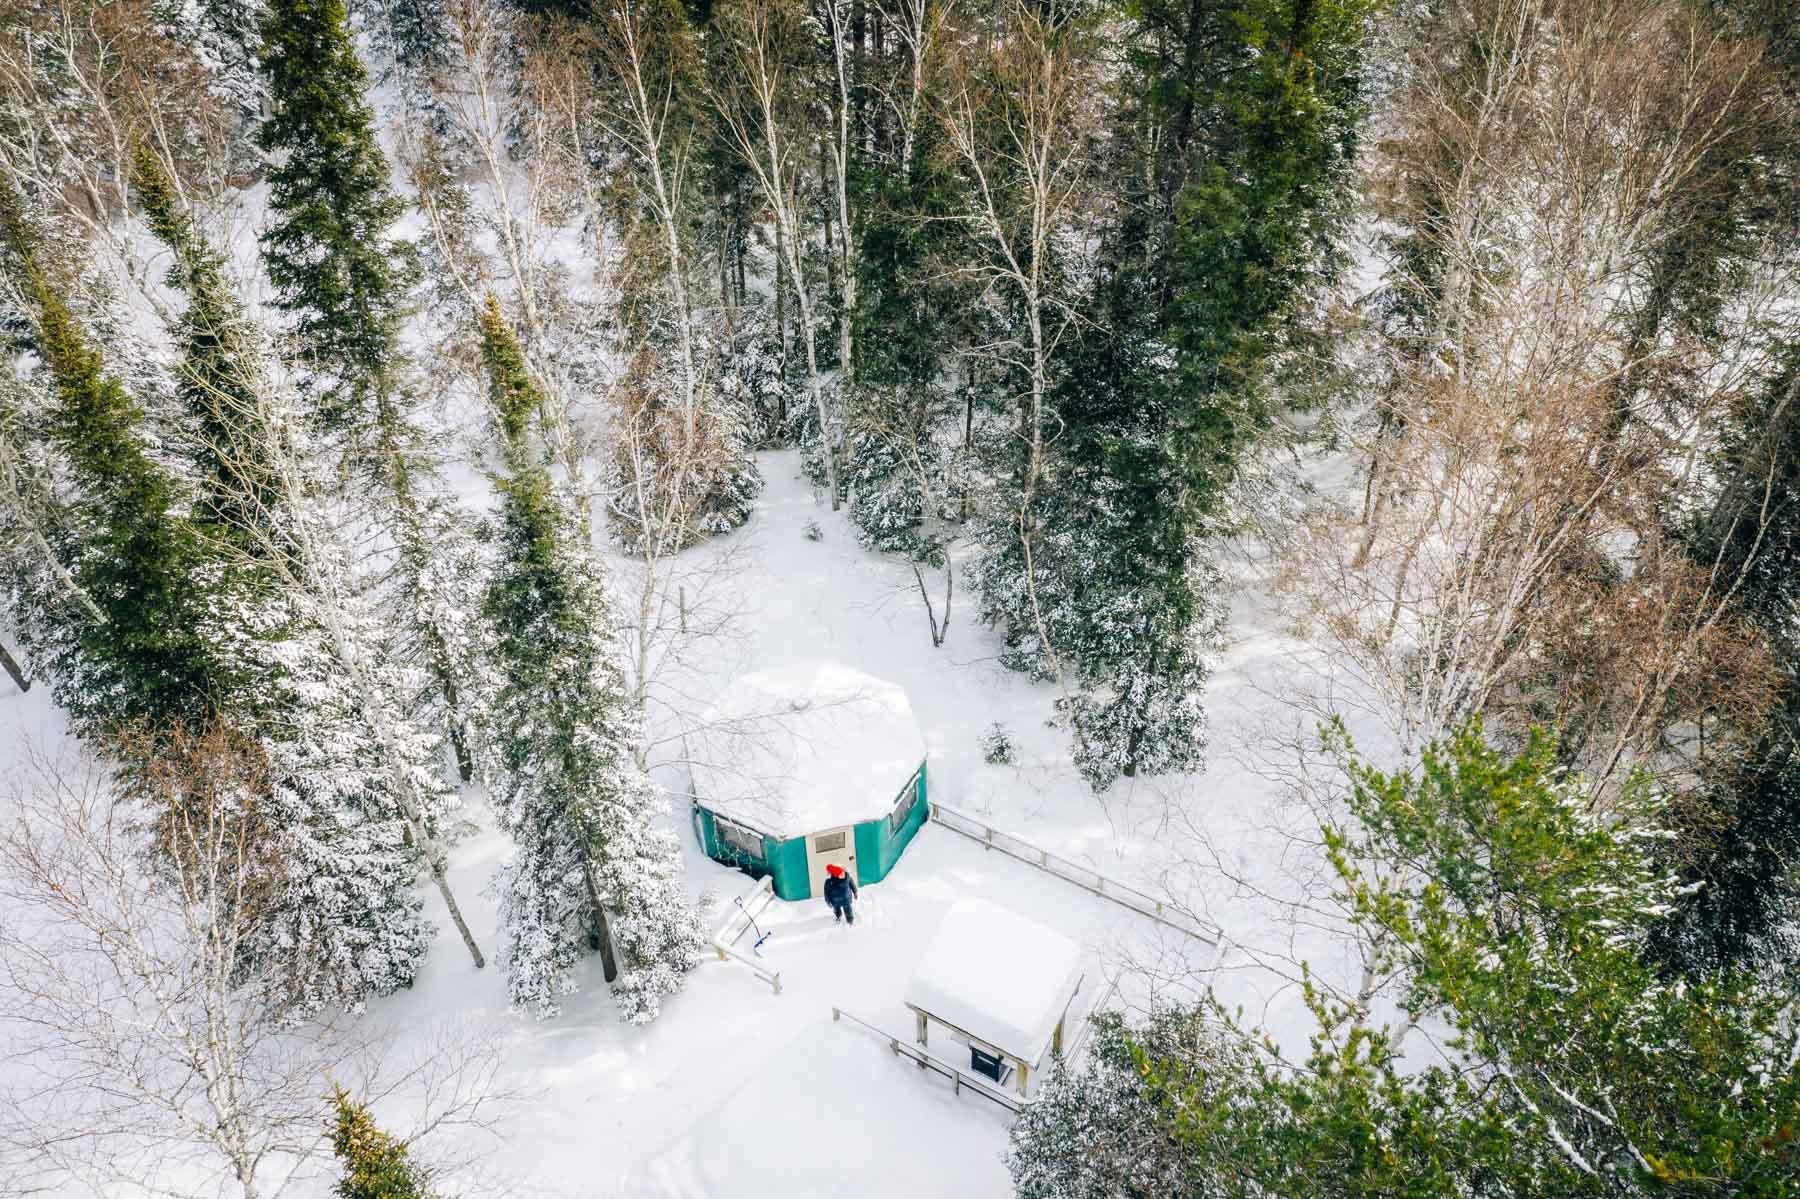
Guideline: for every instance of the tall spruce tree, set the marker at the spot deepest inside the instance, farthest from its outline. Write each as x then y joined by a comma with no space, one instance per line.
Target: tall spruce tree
137,557
296,585
330,249
335,264
239,491
1230,157
590,871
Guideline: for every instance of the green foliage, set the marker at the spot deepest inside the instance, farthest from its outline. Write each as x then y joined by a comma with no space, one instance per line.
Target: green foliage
376,1164
1520,917
329,250
215,375
139,557
1227,172
588,860
1513,920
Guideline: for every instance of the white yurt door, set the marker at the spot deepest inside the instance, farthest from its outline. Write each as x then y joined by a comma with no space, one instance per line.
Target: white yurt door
823,849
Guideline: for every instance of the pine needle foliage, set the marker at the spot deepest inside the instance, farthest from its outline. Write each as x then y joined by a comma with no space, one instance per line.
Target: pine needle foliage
138,554
590,871
376,1164
329,251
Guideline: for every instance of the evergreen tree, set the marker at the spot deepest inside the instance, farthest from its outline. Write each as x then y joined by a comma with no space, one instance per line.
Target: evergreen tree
330,250
344,921
1744,860
1102,1133
239,493
1229,158
45,606
139,558
335,265
1514,919
224,36
354,792
377,1165
590,871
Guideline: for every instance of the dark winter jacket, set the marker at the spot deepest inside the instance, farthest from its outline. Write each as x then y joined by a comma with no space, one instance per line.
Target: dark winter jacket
839,891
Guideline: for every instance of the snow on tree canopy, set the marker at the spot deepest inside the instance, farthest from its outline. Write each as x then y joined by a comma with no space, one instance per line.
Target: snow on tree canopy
803,748
998,976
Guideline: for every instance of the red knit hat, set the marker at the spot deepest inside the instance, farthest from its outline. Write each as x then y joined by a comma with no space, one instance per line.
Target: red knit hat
835,870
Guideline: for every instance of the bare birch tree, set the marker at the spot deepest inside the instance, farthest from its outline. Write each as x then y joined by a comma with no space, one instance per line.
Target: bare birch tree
1519,549
1017,111
758,103
154,1049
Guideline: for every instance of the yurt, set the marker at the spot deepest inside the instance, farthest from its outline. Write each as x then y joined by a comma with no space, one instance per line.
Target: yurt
801,767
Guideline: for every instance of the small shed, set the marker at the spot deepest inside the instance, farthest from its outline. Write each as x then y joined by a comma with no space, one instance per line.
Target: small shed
806,766
1000,984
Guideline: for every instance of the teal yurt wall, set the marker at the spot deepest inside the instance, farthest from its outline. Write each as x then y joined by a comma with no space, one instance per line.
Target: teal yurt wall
802,765
879,842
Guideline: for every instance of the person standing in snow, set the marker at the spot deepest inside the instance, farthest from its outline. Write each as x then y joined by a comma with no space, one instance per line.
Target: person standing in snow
840,889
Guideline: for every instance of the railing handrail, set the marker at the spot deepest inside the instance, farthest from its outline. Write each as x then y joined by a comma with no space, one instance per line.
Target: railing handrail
724,940
928,1061
1085,1032
1108,888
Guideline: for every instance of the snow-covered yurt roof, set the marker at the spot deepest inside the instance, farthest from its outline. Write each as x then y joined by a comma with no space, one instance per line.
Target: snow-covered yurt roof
802,748
998,976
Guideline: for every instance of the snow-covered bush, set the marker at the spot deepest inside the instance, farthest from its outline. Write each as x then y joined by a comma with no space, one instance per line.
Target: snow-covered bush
811,531
996,744
1103,1131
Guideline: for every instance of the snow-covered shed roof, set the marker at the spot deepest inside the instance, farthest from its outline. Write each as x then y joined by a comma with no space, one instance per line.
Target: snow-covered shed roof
803,748
998,976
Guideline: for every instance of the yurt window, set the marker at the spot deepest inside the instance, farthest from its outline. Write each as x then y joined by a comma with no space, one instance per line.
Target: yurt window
739,838
903,809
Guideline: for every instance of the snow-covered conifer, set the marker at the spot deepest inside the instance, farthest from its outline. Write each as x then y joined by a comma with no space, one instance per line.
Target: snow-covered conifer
330,251
355,778
224,37
589,870
138,555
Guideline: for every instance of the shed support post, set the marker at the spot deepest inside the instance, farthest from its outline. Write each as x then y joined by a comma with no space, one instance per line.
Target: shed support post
1023,1071
921,1022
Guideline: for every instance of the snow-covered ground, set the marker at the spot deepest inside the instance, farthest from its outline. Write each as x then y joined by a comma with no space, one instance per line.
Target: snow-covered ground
735,1090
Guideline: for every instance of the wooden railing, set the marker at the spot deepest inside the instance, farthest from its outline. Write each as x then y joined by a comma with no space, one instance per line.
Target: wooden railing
1084,1028
740,917
1085,877
958,1078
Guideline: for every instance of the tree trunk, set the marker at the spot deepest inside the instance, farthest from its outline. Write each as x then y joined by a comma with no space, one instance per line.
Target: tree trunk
456,916
781,295
600,938
12,668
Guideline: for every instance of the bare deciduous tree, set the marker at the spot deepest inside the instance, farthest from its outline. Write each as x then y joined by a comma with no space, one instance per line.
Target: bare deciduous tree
1018,109
147,1047
758,104
1540,429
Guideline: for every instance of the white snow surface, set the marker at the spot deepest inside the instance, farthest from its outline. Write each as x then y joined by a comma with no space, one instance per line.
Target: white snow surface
998,976
800,749
736,1091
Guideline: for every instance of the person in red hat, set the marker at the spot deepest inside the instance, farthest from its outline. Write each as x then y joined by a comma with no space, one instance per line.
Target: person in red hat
840,889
